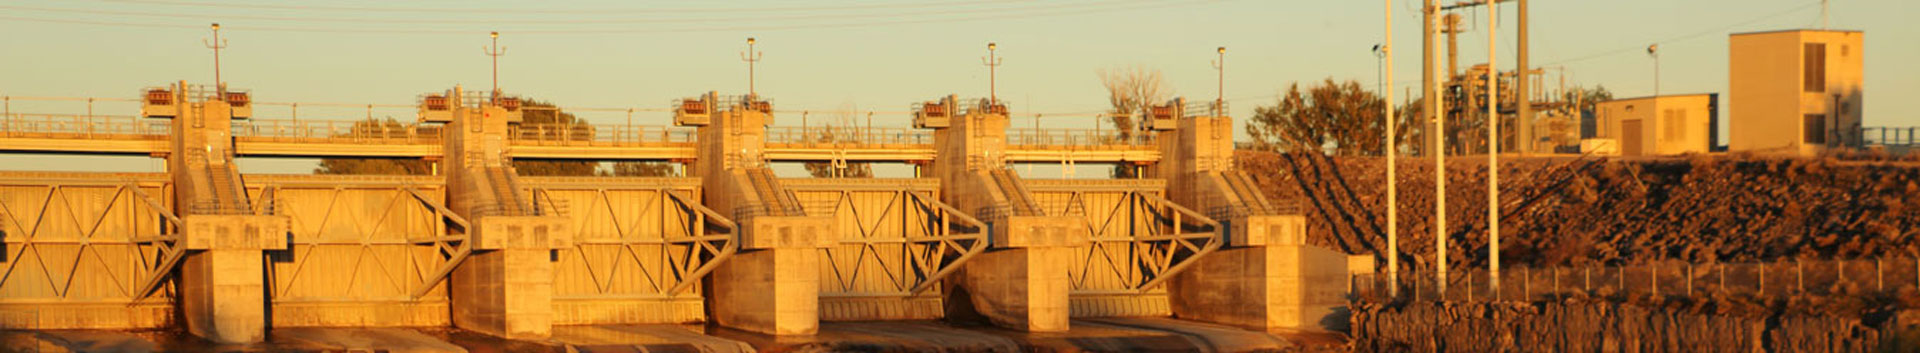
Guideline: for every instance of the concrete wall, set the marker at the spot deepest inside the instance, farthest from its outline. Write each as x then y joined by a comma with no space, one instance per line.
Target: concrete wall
1768,99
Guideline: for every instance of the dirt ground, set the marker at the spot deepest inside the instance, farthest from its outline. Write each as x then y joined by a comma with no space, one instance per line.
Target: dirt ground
1587,210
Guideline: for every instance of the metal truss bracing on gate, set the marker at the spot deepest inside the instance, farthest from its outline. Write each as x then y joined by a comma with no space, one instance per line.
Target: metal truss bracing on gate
1139,239
81,243
360,239
638,238
897,238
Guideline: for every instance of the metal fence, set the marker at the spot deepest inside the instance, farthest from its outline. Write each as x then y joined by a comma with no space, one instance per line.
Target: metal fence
1891,136
1773,280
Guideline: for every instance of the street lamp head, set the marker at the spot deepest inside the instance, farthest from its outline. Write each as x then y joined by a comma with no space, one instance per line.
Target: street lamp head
750,40
992,46
1222,50
1653,49
216,26
495,34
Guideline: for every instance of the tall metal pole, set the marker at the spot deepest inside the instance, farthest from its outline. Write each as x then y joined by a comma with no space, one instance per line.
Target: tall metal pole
1220,96
495,52
993,65
1654,50
1493,149
1393,146
1523,93
216,45
751,57
1435,107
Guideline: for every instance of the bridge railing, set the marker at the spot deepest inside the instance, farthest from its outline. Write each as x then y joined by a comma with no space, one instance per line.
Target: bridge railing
1078,138
598,135
82,126
1784,279
824,135
361,131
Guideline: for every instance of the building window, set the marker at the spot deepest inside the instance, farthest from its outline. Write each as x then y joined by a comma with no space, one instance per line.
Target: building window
1815,129
1675,125
1816,67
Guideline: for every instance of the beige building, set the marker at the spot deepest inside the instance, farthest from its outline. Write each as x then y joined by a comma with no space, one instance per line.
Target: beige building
1660,125
1795,91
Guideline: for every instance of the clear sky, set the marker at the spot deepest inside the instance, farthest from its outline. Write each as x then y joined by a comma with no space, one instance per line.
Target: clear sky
867,55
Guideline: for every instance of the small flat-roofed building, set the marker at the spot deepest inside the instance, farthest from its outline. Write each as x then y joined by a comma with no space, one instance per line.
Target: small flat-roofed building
1795,91
1659,125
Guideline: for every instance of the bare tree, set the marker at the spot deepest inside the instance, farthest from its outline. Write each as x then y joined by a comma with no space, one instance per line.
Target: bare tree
842,128
1131,90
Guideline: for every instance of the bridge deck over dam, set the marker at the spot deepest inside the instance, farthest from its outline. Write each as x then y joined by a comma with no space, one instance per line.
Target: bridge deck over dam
44,133
1189,250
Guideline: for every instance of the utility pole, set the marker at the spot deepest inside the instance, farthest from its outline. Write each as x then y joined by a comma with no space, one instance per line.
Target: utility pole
1823,16
1493,148
216,45
751,57
1435,104
993,66
495,52
1393,146
1523,93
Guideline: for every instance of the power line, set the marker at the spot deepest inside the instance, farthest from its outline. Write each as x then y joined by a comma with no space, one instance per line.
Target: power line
1637,47
553,11
570,21
853,24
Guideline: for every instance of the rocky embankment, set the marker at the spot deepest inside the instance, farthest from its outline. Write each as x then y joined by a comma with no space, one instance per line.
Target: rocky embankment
1603,326
1570,210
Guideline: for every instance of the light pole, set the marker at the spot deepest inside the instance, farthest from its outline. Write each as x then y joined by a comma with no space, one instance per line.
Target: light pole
1393,145
1220,96
993,65
216,45
751,57
1654,51
495,52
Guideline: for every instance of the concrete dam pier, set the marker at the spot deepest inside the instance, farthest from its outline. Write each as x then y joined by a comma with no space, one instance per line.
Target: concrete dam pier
967,255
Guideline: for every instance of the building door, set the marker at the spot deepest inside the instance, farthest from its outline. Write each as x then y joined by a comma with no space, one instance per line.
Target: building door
1632,138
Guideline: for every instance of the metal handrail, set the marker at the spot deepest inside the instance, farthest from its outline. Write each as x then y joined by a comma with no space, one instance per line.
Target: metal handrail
1077,137
826,135
336,130
22,125
599,134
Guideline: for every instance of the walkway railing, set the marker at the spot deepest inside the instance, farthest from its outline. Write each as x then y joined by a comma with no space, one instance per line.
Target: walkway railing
1077,138
597,135
823,135
1772,280
83,126
349,131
